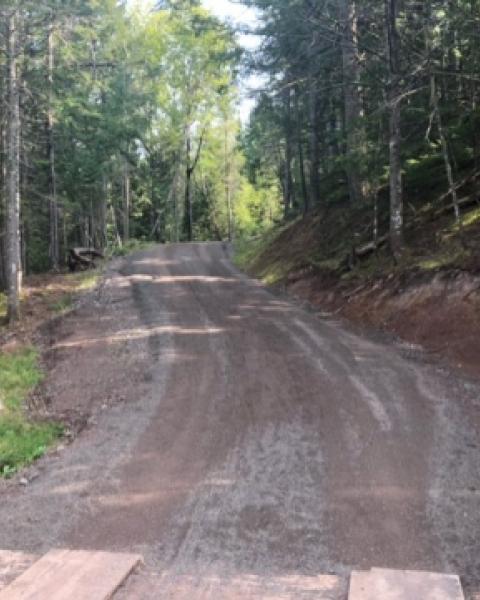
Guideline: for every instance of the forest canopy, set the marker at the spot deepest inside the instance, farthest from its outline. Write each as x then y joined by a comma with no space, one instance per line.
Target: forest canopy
121,121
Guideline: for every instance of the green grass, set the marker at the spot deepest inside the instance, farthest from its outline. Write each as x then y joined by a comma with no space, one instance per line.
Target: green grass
130,246
20,374
83,281
63,304
21,440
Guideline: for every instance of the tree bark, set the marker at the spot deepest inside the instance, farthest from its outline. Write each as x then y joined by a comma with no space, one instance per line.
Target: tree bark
314,144
126,201
53,207
188,186
189,171
13,251
394,104
288,179
228,188
354,129
301,155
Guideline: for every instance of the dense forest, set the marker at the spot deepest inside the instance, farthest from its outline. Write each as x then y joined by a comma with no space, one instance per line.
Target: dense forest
121,121
375,104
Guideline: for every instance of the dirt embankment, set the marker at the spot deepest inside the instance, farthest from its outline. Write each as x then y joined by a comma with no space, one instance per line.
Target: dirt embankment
431,299
439,311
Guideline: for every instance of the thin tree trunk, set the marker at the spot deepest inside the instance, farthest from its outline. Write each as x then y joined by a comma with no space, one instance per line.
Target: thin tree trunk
288,185
228,191
355,136
394,102
436,114
314,144
14,268
54,237
188,187
301,156
191,165
126,202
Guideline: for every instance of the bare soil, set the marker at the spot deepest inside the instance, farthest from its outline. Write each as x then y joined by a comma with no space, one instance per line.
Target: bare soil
246,446
438,311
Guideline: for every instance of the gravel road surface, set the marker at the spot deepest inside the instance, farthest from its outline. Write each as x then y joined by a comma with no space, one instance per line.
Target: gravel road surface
256,445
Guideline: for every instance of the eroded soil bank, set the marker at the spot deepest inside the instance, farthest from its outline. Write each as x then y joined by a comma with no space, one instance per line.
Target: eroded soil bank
439,311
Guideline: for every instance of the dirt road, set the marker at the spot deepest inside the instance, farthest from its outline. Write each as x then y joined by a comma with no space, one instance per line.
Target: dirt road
255,445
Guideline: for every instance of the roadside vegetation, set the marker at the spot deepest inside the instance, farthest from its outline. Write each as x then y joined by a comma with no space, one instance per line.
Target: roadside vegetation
22,439
322,245
45,295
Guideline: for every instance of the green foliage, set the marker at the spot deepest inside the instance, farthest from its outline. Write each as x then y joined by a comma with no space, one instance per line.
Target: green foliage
20,374
257,207
130,247
63,305
21,440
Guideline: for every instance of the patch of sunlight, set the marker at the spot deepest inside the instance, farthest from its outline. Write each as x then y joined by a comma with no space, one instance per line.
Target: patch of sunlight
275,273
3,305
140,333
471,218
130,247
440,260
86,280
62,305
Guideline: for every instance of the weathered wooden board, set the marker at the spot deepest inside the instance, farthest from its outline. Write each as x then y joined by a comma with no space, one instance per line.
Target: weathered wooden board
403,585
69,574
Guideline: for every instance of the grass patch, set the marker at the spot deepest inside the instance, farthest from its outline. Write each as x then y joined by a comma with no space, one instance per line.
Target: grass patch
85,280
130,246
63,304
21,440
20,374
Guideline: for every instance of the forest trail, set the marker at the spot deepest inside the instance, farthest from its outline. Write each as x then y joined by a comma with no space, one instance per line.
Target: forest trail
264,445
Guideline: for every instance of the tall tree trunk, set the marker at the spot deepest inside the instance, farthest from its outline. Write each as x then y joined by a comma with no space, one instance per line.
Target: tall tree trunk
436,114
14,268
301,156
191,165
394,104
188,186
53,207
355,135
228,189
288,179
314,144
126,201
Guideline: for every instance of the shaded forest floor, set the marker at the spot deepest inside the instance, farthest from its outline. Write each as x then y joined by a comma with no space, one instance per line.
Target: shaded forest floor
43,297
431,299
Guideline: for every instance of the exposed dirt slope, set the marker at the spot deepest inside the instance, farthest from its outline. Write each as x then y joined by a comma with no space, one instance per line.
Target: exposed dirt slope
432,298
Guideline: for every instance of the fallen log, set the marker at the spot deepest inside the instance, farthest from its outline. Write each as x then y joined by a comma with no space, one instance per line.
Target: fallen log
82,258
371,247
358,253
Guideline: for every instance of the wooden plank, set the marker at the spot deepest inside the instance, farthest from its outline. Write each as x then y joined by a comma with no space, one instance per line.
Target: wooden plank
69,574
13,564
389,584
145,585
